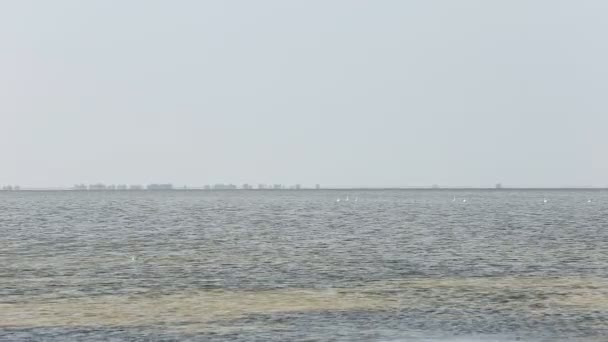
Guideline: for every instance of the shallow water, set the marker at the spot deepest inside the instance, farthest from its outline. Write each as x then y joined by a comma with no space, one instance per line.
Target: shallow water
409,265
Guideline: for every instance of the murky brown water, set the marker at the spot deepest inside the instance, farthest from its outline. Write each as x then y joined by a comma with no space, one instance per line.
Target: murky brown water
297,265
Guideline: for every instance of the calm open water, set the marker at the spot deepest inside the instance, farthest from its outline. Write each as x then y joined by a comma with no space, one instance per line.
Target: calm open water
409,265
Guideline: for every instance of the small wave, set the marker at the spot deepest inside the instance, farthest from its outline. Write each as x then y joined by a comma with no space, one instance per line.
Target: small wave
461,339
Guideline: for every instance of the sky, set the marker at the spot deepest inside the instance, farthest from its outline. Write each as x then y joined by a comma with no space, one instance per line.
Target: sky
336,92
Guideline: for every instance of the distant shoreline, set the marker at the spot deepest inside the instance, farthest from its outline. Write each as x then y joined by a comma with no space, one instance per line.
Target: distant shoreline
312,189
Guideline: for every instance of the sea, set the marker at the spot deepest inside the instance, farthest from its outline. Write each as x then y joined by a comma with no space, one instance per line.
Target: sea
304,265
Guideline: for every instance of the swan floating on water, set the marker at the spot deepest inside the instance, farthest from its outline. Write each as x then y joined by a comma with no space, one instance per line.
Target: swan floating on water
544,200
454,199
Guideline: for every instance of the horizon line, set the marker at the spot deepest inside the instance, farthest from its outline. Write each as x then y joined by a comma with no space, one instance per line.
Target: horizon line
334,188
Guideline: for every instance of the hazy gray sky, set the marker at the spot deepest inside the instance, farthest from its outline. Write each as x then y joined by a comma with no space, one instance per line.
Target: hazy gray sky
378,93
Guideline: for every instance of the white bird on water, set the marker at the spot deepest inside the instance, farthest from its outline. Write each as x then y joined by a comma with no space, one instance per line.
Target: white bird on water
133,258
454,199
346,198
544,200
338,199
589,201
464,200
356,199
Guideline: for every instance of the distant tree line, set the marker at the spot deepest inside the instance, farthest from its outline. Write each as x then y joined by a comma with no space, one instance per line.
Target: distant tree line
168,186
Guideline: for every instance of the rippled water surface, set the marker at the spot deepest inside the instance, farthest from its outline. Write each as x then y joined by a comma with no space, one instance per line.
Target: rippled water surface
411,265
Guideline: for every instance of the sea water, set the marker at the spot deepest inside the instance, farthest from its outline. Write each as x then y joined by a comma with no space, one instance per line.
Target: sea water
396,265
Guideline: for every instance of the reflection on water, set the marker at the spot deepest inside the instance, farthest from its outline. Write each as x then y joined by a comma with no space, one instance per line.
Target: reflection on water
295,265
